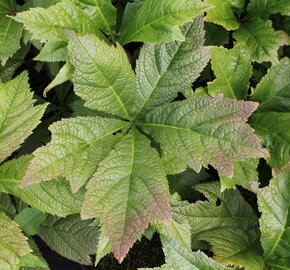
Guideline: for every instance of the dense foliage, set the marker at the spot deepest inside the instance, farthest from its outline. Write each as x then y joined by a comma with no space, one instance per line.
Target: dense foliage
168,117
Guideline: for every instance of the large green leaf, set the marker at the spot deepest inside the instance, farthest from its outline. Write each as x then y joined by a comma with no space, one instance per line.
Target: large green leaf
264,8
272,121
49,197
13,244
127,192
158,21
10,34
71,237
50,23
206,130
222,14
232,69
274,204
103,76
233,246
77,146
178,258
261,39
164,70
18,116
207,216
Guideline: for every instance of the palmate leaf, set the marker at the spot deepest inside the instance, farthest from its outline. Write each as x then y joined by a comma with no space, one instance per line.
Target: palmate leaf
177,258
77,146
13,244
71,237
18,116
272,121
261,40
274,204
50,23
233,246
228,227
233,212
232,69
222,14
263,8
158,21
103,76
50,197
164,70
206,130
127,192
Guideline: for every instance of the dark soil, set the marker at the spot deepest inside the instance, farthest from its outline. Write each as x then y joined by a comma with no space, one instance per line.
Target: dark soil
144,254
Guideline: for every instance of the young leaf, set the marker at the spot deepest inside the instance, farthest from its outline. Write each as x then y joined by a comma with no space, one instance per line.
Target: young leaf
127,192
103,248
245,173
164,70
261,40
274,204
18,116
50,197
13,244
206,130
232,69
71,237
264,8
53,51
64,74
272,121
222,14
77,146
158,21
233,246
50,23
103,76
29,220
